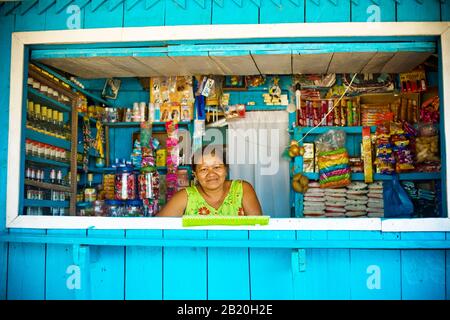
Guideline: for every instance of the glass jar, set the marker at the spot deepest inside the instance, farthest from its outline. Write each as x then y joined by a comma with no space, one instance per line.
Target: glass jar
134,208
145,185
114,208
99,208
85,209
125,184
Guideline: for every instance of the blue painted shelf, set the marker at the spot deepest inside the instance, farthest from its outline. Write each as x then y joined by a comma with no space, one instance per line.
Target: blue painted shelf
378,176
106,170
48,161
36,96
44,138
45,203
180,168
45,185
98,170
138,124
265,108
91,120
320,130
92,152
73,85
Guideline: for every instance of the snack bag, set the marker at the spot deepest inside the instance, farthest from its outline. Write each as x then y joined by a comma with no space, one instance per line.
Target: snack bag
333,160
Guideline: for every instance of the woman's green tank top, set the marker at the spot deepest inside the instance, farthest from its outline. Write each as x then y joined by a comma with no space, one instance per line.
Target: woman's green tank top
231,206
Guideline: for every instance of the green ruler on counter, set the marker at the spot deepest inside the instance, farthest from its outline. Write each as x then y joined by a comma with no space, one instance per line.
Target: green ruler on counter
192,221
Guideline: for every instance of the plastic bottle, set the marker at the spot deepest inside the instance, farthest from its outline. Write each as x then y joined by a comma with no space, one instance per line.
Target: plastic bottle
157,116
151,112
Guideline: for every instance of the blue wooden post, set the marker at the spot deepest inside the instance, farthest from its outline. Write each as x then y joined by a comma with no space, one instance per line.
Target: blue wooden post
183,12
423,271
64,277
327,272
235,11
375,273
418,10
3,269
139,13
282,11
107,272
26,269
447,270
327,11
7,24
185,270
373,10
270,269
143,269
228,268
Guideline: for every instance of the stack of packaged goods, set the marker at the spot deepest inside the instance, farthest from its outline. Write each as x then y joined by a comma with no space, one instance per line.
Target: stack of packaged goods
335,202
375,204
370,113
404,157
357,200
314,201
385,161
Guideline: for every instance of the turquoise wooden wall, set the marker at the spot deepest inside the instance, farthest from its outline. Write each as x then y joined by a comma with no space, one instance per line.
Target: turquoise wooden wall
41,270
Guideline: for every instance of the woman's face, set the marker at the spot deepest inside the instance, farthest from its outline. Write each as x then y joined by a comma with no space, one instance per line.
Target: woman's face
211,172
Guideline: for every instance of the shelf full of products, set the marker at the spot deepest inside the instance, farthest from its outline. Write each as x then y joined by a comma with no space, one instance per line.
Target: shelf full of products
348,152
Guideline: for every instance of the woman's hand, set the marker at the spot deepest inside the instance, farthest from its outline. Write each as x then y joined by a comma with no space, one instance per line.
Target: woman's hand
175,207
250,201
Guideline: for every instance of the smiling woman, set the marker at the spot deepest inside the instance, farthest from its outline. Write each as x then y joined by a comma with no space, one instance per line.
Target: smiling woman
213,195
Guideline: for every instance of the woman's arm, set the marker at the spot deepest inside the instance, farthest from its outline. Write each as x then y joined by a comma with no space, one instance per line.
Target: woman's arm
250,201
175,207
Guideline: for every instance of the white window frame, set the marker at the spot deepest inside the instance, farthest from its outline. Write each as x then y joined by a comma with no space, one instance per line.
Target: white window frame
208,32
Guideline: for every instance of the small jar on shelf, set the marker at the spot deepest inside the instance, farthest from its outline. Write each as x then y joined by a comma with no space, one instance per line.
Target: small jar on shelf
114,208
134,208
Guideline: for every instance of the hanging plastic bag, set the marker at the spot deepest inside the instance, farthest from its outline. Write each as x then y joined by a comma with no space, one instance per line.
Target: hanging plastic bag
397,203
333,160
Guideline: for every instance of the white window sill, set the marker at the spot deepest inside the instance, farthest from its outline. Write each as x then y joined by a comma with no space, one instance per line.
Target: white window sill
367,224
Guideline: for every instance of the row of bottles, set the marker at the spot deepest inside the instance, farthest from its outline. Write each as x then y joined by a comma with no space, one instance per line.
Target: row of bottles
47,121
44,211
53,176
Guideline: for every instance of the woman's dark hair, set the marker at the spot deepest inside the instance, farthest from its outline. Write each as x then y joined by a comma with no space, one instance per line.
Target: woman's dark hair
213,150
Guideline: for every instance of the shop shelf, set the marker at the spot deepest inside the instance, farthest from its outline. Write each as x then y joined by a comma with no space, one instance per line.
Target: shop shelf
73,85
37,97
378,176
92,152
45,203
179,168
44,138
138,124
320,130
49,186
98,170
91,120
48,161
